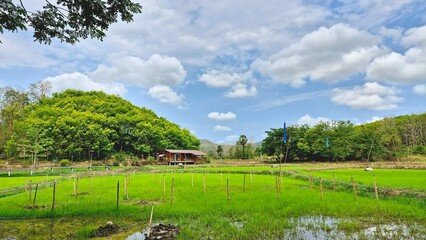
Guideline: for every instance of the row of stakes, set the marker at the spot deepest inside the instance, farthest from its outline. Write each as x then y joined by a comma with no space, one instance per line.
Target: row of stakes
278,182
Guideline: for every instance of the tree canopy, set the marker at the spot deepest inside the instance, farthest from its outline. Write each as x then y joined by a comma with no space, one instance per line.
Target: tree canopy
390,138
66,20
73,123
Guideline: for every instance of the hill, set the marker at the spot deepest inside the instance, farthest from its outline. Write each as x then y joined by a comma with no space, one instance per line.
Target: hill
75,124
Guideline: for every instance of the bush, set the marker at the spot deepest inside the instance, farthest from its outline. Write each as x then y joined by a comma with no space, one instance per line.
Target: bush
64,162
116,163
419,150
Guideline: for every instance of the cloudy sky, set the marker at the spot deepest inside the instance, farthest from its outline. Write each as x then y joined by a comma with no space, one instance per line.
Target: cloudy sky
226,68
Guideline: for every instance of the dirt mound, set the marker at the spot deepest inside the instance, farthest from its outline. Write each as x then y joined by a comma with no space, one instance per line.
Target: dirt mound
162,231
108,229
145,202
35,207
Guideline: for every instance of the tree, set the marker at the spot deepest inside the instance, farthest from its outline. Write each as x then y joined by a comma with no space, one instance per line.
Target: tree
243,140
67,20
219,151
40,90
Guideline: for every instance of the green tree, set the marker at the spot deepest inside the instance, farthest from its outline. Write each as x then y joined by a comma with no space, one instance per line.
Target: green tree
219,151
243,141
66,20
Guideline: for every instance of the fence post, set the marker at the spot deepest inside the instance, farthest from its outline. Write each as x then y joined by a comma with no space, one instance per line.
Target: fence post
375,188
354,187
118,192
54,195
35,195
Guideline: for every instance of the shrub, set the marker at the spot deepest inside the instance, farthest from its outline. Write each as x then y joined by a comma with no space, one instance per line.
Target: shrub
419,149
64,162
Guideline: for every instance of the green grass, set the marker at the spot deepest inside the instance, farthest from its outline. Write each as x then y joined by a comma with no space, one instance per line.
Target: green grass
209,214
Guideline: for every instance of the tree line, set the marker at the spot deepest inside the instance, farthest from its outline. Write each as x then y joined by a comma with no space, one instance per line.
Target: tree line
388,139
77,125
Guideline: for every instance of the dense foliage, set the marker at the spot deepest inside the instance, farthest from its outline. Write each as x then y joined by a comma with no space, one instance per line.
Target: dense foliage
73,124
390,138
66,20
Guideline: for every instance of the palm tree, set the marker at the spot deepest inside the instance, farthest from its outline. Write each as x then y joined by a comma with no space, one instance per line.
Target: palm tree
243,140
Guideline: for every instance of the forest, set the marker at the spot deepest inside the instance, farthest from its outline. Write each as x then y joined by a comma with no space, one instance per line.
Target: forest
393,138
79,125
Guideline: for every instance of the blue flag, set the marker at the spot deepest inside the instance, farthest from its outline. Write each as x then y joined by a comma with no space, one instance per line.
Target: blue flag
326,142
285,134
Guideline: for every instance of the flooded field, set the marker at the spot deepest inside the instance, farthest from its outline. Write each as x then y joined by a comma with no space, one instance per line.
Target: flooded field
308,227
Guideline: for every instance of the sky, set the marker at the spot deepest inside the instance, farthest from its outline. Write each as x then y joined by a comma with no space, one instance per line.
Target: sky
226,68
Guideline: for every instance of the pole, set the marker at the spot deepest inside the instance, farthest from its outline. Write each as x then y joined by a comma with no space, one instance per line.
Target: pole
354,187
54,195
118,192
35,195
375,188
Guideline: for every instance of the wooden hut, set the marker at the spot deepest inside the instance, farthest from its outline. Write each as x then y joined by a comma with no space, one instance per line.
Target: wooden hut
173,156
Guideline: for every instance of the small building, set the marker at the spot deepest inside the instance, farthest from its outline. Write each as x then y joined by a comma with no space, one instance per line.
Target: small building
171,156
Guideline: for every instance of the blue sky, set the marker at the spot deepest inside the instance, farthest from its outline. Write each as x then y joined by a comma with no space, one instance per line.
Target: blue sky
226,68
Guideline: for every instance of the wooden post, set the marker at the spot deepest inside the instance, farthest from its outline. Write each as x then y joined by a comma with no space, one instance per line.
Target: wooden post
354,187
221,178
310,182
375,188
35,195
321,192
118,192
244,183
47,180
251,177
204,183
227,190
91,186
31,189
277,187
334,189
54,195
125,188
173,191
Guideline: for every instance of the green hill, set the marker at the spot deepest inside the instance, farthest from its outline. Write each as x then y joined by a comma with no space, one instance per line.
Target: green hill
74,123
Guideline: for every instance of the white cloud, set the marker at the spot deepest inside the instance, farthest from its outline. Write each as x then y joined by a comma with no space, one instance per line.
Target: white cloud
307,119
219,79
398,68
327,54
222,116
17,53
237,83
165,94
220,128
374,119
157,70
241,90
369,96
408,67
420,89
415,37
82,82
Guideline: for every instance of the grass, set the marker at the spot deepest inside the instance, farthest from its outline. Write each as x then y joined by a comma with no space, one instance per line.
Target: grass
254,213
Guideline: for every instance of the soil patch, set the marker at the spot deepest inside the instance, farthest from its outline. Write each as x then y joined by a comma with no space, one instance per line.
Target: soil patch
108,229
35,207
145,202
162,231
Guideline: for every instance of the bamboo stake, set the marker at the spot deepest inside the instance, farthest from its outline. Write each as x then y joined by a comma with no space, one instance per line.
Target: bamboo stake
221,178
118,192
91,186
173,191
192,179
204,183
54,195
227,190
277,187
321,192
334,189
244,183
35,195
125,188
150,221
251,177
354,187
375,188
31,189
164,186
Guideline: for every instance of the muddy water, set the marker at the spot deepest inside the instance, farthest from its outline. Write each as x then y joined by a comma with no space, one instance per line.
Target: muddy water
308,227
